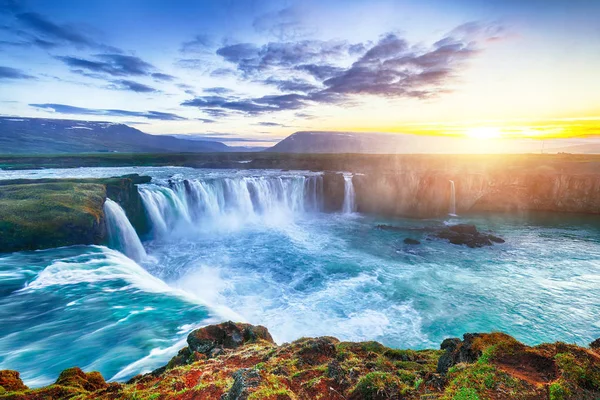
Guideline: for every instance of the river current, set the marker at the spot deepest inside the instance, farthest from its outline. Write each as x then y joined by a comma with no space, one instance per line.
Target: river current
255,246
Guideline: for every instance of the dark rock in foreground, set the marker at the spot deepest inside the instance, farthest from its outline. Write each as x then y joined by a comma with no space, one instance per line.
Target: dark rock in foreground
248,365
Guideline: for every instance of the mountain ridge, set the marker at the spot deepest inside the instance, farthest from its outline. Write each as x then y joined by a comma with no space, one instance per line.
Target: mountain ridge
56,136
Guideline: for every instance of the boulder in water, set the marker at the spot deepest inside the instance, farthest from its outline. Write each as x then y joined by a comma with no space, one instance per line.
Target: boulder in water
468,235
411,241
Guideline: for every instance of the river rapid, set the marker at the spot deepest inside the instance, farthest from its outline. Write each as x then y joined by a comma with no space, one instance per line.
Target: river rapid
255,246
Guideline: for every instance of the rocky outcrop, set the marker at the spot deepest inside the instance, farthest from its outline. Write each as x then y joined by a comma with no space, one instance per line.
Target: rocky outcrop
10,381
250,366
468,235
47,213
422,193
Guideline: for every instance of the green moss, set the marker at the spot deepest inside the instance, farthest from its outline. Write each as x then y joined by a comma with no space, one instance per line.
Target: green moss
558,391
375,385
580,370
466,394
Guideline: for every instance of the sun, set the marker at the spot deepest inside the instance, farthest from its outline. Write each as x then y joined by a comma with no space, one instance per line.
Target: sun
484,132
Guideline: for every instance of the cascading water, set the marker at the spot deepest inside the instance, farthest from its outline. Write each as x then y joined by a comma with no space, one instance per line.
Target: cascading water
349,205
121,234
230,200
452,208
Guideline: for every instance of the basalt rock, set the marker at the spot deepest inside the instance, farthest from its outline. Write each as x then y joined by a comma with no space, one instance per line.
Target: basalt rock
457,351
245,381
467,235
411,241
595,344
212,339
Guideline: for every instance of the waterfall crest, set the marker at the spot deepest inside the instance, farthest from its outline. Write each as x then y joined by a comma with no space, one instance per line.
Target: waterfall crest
349,205
230,200
452,208
121,234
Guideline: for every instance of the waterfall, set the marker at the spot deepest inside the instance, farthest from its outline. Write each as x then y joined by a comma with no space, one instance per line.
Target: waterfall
452,209
349,205
121,234
227,201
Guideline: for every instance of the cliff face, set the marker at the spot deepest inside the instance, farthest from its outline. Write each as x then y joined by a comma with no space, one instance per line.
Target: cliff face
48,213
234,361
424,193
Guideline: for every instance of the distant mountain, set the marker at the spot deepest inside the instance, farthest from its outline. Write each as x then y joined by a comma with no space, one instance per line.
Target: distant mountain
53,136
386,143
341,142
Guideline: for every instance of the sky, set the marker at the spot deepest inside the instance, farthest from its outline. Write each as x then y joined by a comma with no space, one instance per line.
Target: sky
256,71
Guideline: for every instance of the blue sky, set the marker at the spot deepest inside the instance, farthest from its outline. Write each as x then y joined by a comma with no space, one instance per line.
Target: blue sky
264,69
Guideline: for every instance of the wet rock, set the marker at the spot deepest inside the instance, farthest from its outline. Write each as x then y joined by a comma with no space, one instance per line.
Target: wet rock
211,340
464,229
468,235
458,351
244,381
11,381
496,239
595,344
411,241
75,377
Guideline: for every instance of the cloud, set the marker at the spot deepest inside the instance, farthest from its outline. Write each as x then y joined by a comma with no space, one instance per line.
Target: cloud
308,72
206,120
291,85
320,72
34,29
110,64
200,43
132,86
250,106
218,90
284,24
67,109
7,73
269,124
163,77
251,59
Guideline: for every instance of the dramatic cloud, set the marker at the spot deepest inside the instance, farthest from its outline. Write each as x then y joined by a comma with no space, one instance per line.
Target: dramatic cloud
215,105
291,85
251,59
110,64
132,86
34,29
66,109
335,72
13,73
